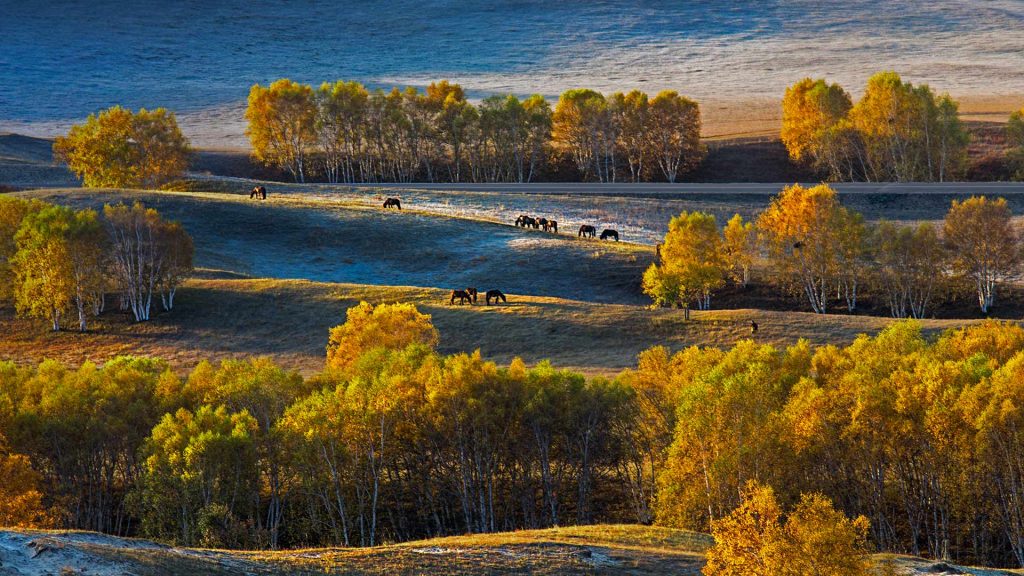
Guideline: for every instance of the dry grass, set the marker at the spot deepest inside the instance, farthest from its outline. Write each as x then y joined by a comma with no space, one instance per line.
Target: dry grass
218,318
600,549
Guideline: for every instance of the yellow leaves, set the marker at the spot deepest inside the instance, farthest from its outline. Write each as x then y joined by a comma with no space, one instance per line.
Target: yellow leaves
281,124
809,109
21,501
814,539
692,262
390,326
121,149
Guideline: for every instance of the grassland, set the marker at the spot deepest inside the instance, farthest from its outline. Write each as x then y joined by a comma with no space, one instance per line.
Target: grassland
275,276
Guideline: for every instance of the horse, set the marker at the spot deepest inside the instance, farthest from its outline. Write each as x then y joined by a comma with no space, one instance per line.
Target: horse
263,193
472,292
542,223
609,233
551,226
462,295
526,221
497,295
393,203
586,231
753,327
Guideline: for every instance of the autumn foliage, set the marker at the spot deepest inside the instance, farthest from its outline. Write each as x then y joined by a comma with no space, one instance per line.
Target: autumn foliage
807,244
118,148
758,539
347,133
59,263
895,132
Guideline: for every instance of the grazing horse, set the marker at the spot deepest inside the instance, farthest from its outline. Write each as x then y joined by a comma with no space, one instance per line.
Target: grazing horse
393,203
586,231
258,192
609,233
753,327
526,221
462,295
551,226
472,292
497,295
542,223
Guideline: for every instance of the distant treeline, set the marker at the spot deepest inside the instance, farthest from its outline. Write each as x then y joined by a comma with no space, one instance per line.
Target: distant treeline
896,132
394,441
342,132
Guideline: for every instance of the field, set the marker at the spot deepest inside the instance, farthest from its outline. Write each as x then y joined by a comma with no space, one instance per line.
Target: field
273,277
601,549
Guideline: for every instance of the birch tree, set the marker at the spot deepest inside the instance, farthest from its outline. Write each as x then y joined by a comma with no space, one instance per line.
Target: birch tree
147,257
673,131
805,232
282,125
910,267
984,244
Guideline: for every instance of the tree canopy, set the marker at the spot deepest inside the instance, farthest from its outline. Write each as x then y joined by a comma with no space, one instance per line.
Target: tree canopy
118,148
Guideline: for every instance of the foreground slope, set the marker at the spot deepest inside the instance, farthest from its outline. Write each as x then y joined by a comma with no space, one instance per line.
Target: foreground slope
602,549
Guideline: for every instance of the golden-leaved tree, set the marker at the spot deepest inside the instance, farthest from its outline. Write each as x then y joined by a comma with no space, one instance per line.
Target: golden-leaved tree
814,245
12,212
814,538
895,132
673,131
366,327
282,125
1015,139
984,245
60,264
741,248
579,126
812,124
117,148
692,264
21,501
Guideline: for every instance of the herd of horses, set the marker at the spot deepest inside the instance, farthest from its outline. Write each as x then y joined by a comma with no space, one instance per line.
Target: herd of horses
470,295
585,231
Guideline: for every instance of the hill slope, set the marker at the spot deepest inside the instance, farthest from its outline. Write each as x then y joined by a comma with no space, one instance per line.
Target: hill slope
602,549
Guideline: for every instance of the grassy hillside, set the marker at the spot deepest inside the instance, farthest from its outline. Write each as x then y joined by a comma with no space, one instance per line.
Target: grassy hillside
276,275
289,319
602,549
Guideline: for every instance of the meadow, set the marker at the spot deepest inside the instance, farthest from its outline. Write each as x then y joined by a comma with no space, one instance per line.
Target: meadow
272,277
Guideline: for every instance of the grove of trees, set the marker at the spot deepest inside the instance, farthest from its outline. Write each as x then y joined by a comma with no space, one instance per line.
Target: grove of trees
895,132
923,438
57,263
806,243
346,133
118,148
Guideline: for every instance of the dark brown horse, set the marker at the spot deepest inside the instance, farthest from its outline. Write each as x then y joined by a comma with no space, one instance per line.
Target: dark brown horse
258,192
609,233
472,292
551,226
496,295
526,221
462,295
586,231
542,223
393,203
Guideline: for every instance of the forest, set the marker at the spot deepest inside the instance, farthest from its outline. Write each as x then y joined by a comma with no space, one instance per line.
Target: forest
392,441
